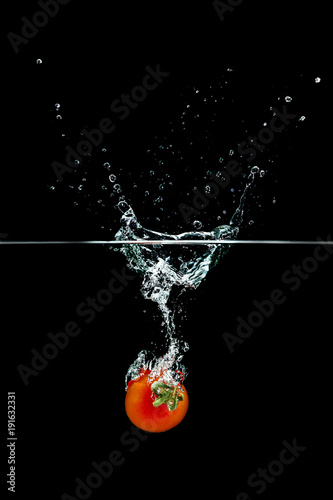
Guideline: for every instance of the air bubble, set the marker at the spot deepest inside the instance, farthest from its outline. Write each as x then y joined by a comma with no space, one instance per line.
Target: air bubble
112,177
318,79
39,61
197,224
123,206
288,98
262,173
254,170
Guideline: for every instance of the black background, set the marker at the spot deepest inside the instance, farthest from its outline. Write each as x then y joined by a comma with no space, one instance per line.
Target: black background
242,405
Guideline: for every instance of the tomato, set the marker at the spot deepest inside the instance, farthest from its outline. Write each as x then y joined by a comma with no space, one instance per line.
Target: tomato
154,406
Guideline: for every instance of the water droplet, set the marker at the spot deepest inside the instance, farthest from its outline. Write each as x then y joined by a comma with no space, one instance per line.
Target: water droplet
207,189
80,187
262,173
75,203
106,165
301,119
251,222
57,106
232,190
152,172
112,177
318,79
59,117
123,206
197,224
274,201
231,152
104,150
52,188
288,98
39,61
254,170
146,193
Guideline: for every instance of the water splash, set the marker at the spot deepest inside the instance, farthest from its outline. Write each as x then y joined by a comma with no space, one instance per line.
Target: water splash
164,268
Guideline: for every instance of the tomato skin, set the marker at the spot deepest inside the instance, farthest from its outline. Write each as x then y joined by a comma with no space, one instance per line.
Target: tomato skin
142,413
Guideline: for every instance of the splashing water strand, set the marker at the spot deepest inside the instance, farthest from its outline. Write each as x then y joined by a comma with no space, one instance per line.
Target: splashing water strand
163,268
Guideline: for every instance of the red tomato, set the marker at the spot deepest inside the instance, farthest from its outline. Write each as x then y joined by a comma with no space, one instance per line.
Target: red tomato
153,406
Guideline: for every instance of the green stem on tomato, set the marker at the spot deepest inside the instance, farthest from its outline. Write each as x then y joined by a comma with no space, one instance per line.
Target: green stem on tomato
166,394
